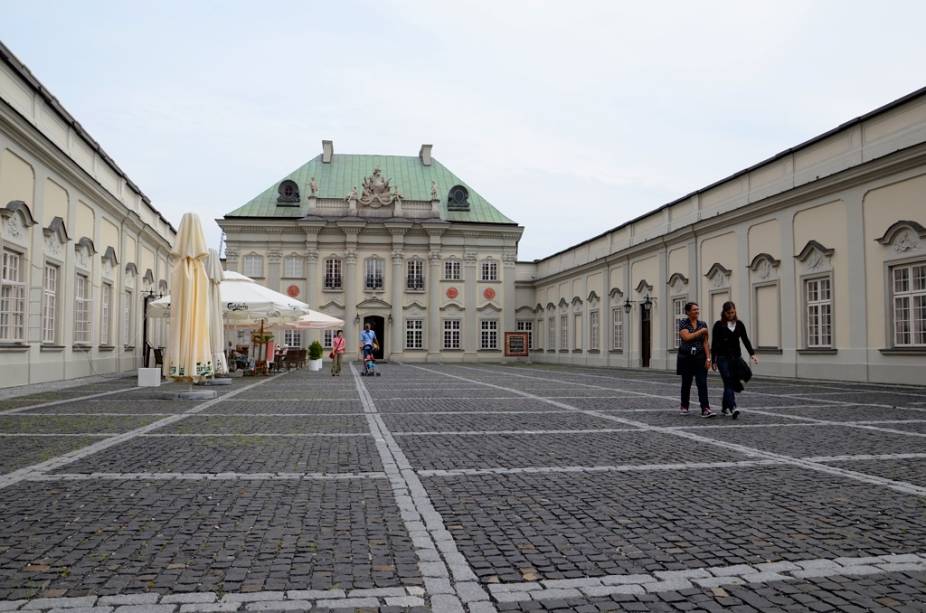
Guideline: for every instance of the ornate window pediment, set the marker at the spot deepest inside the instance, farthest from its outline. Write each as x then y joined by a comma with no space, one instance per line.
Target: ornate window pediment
551,306
415,308
815,257
453,306
538,308
764,265
374,303
489,307
616,295
331,305
563,304
592,297
148,279
162,286
17,219
84,251
677,282
904,236
109,261
56,237
643,287
718,275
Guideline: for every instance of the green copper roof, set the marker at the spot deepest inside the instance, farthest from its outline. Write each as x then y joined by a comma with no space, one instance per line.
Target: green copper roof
335,180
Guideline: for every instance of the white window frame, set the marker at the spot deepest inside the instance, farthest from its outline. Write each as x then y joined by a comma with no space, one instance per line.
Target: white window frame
488,270
83,309
328,339
617,328
50,280
414,333
374,273
564,332
551,333
106,314
538,338
906,300
526,325
414,275
577,330
453,329
293,267
128,326
678,314
252,265
818,313
488,334
453,270
12,298
334,274
594,330
293,338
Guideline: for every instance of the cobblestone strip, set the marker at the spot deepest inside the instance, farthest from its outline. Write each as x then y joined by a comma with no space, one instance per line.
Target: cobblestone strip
208,602
79,454
851,424
265,434
437,552
56,435
485,432
867,456
228,476
66,400
710,577
900,486
454,472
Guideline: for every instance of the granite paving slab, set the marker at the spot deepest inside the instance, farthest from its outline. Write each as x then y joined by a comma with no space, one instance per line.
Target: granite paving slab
875,397
918,427
500,421
241,454
520,450
71,424
462,404
908,470
267,424
115,404
173,536
563,526
861,412
671,418
270,405
832,440
20,451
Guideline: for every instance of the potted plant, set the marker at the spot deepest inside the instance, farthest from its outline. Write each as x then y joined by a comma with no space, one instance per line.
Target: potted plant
315,355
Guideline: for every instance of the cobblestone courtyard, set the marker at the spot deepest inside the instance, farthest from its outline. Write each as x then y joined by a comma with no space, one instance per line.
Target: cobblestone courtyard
458,488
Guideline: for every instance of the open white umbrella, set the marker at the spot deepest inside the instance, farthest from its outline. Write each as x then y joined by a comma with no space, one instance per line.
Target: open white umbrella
317,321
189,351
216,320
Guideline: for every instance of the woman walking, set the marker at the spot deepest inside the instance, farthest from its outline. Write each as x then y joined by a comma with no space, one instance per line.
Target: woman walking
693,358
338,347
725,350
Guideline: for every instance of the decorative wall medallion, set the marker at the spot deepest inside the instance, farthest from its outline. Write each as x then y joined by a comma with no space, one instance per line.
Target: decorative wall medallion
488,293
764,269
83,258
292,291
52,245
14,226
452,292
905,241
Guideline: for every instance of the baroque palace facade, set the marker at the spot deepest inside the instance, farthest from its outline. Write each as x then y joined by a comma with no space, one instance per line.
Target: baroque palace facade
822,247
81,245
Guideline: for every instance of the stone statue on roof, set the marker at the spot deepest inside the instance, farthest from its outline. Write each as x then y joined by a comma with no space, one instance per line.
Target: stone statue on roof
433,190
313,187
353,194
376,190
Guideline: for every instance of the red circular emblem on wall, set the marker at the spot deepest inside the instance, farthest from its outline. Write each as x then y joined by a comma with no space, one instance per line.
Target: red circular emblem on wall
292,291
489,293
452,292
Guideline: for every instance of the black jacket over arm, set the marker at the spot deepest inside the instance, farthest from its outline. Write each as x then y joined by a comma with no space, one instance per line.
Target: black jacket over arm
726,343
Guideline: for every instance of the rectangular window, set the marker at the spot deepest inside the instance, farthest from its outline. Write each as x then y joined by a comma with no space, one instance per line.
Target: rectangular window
451,334
375,272
909,304
526,325
819,301
82,299
332,274
293,338
678,314
488,334
577,331
328,338
106,314
293,267
617,329
12,298
415,278
452,270
594,330
128,327
564,332
50,304
551,334
489,271
253,266
539,337
414,334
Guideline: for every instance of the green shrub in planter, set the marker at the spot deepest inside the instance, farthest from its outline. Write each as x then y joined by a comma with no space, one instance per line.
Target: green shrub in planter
316,350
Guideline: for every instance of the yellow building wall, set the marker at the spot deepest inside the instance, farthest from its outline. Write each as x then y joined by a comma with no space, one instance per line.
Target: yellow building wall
765,237
109,237
883,207
84,222
826,224
17,179
56,203
720,250
678,261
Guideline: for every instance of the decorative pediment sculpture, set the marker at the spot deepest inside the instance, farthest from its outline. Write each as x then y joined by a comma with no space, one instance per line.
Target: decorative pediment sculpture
815,256
84,250
718,275
904,235
763,265
376,191
17,218
56,236
677,281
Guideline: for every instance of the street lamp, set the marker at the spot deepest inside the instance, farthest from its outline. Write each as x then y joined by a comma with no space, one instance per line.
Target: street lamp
627,305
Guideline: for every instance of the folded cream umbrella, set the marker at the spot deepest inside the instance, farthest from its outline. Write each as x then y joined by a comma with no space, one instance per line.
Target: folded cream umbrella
317,321
216,320
245,303
189,350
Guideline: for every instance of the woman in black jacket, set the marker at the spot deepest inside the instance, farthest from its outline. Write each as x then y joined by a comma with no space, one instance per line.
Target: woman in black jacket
725,353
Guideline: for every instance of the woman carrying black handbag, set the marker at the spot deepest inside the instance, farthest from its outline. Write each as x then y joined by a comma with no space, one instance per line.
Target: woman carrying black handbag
727,357
693,360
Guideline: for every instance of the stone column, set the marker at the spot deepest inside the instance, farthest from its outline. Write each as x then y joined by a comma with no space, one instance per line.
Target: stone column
273,269
350,298
470,332
629,328
312,286
35,262
435,334
398,259
509,302
789,294
741,276
856,354
661,316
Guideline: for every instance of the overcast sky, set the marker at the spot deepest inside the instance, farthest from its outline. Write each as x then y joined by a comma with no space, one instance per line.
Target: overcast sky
570,117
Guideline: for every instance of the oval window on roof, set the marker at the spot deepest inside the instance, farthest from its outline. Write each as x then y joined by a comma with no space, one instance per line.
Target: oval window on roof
288,192
458,198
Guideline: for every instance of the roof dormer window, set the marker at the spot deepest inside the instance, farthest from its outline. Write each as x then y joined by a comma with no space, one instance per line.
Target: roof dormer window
288,192
458,199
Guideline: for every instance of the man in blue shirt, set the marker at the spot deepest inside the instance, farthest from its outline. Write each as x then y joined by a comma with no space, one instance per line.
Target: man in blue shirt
367,340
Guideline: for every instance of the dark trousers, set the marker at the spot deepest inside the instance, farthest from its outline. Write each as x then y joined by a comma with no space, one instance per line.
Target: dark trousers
725,366
700,377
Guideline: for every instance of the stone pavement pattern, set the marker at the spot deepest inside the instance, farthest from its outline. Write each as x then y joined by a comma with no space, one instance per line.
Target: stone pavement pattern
463,488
